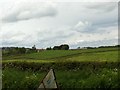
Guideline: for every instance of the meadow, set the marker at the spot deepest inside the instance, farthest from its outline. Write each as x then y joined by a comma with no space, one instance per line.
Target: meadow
87,68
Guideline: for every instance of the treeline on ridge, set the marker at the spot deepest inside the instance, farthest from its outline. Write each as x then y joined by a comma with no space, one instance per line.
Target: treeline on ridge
17,50
23,50
61,47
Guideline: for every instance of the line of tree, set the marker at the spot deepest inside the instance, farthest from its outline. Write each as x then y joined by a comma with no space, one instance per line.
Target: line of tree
109,46
17,50
61,47
99,47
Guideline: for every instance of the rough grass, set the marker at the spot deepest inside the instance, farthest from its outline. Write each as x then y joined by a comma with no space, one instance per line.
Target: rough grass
18,79
88,78
92,68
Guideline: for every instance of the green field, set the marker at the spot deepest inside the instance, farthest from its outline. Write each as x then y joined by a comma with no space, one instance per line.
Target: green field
87,68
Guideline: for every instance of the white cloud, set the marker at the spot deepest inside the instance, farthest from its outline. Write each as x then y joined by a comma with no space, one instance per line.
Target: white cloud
73,23
28,10
102,7
82,26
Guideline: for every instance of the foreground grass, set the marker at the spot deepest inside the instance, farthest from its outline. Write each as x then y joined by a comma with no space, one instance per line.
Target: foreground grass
92,68
88,78
16,79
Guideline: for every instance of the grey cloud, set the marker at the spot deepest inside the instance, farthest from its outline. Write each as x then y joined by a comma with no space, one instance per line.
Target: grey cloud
83,26
50,42
9,43
119,13
102,6
94,29
102,15
56,37
29,13
96,43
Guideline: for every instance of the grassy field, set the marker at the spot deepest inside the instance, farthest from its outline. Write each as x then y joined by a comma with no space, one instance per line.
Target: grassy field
88,68
55,54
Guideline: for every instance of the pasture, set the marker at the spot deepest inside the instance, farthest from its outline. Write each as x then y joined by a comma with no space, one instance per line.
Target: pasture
87,68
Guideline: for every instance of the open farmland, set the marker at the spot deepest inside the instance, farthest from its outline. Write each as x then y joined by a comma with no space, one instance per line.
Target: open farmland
87,68
55,54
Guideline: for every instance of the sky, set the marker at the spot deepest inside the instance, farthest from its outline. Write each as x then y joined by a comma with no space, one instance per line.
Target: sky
25,23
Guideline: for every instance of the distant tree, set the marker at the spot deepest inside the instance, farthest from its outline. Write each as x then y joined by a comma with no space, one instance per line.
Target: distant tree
89,47
49,48
22,50
61,47
15,50
34,47
64,47
56,48
29,50
117,45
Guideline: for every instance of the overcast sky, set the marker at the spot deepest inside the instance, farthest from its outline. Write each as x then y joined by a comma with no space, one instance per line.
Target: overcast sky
49,23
